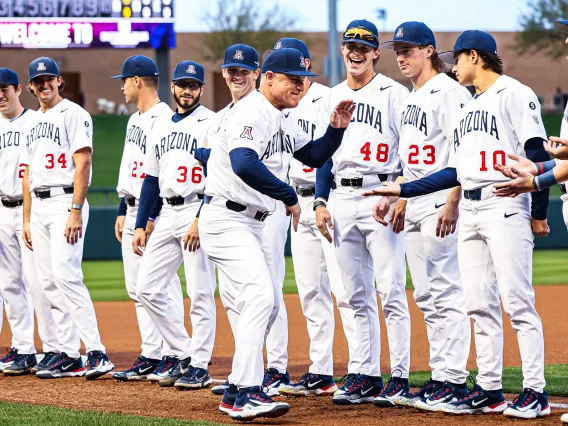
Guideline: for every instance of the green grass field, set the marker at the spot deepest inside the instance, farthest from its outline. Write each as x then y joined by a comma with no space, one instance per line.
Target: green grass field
109,141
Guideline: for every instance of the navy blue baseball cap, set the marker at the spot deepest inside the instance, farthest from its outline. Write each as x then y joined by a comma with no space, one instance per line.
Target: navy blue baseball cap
294,43
412,32
241,55
561,25
138,66
362,31
8,76
189,70
43,66
287,60
471,40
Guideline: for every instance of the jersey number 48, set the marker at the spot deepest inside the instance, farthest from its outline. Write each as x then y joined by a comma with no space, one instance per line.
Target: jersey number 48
382,152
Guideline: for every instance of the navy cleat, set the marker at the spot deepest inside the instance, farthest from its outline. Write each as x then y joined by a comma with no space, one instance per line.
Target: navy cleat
396,390
447,393
166,366
272,381
8,359
362,389
176,373
427,389
229,398
23,364
478,401
194,378
310,384
530,404
140,370
47,359
98,365
252,403
346,382
63,366
220,389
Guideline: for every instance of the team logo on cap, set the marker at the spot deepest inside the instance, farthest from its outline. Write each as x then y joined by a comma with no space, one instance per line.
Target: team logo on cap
41,67
302,62
239,55
278,45
399,32
247,133
190,69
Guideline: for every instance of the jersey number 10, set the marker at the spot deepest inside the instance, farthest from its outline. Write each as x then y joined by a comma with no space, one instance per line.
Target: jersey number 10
498,158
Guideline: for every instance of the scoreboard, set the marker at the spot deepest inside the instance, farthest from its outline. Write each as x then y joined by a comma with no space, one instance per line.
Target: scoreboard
57,24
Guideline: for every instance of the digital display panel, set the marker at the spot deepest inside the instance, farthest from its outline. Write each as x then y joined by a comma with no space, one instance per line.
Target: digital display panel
58,24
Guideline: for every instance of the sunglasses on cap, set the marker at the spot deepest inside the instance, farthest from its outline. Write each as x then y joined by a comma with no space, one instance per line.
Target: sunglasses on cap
360,33
191,85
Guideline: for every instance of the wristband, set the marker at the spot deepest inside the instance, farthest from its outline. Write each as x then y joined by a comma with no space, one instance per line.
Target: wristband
151,219
319,203
545,180
545,166
77,206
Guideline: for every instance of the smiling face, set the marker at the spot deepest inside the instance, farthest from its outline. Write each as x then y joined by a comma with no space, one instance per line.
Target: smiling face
9,99
358,58
45,88
411,59
186,93
241,81
285,89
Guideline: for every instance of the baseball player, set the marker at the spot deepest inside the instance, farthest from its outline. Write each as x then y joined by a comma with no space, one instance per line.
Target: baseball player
241,191
426,120
315,267
173,173
20,289
367,252
58,149
495,240
140,78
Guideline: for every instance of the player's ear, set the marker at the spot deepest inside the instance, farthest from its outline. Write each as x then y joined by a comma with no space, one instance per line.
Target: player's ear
202,90
377,53
256,74
19,90
172,87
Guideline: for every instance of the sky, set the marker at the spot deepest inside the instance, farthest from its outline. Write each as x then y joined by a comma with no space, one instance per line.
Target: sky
439,15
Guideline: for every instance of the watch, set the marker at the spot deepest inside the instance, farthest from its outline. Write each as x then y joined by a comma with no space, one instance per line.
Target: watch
77,206
319,203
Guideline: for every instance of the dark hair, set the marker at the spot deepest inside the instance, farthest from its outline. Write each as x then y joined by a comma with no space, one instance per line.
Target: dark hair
437,63
61,87
150,81
491,61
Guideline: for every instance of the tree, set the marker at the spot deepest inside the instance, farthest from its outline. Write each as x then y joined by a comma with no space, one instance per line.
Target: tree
244,21
538,33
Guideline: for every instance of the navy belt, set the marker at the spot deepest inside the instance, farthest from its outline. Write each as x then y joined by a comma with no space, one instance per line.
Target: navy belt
358,182
239,208
473,195
46,193
11,203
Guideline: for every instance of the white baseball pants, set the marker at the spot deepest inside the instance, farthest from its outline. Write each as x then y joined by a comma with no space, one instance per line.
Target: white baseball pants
59,271
317,277
161,295
365,250
153,345
495,256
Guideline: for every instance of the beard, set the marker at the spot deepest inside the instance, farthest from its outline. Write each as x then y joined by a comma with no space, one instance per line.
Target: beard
182,103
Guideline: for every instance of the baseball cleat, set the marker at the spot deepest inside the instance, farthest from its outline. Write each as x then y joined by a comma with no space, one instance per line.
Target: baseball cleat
194,378
272,381
345,383
448,392
220,389
166,365
427,389
530,404
478,401
229,397
8,359
47,359
310,384
176,373
98,365
23,364
252,403
140,370
362,389
63,366
397,389
564,418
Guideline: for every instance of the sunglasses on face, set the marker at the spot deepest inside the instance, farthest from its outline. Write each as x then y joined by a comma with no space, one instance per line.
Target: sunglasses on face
360,33
191,85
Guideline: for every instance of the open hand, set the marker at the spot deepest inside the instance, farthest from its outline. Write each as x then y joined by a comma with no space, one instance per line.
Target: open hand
388,189
557,147
341,115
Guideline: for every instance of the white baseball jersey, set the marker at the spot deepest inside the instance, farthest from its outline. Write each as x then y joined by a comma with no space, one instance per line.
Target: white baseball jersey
138,131
370,143
170,153
496,123
427,125
53,139
313,118
252,123
12,152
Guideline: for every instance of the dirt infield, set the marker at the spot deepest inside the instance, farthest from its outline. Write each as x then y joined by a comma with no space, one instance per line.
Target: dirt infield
120,335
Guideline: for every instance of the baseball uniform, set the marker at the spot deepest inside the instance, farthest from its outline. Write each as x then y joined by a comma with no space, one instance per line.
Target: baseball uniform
564,196
426,130
367,252
170,157
130,178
